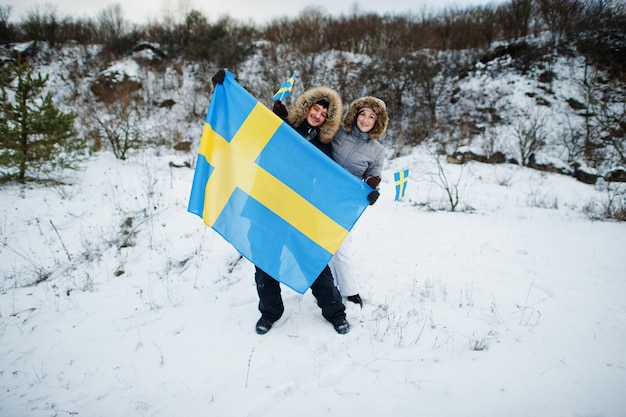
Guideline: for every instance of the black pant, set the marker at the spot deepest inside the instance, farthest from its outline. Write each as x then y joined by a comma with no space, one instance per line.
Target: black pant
323,288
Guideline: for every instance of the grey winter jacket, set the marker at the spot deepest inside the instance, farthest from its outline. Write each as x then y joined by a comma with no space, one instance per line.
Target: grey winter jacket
360,153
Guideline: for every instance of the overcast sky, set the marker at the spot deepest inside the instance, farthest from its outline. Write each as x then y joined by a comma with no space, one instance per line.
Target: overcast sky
141,11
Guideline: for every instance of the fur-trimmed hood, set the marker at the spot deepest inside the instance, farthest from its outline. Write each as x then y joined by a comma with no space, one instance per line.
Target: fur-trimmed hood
306,100
376,104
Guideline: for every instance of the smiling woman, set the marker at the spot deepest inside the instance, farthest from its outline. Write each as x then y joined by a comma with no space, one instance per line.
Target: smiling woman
144,11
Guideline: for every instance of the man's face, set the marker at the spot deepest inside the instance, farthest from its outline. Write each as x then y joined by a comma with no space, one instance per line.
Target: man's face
317,115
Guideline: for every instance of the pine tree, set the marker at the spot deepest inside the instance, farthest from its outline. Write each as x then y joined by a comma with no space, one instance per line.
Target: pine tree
35,136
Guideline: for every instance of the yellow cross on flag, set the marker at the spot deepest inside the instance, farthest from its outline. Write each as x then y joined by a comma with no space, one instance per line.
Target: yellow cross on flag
282,203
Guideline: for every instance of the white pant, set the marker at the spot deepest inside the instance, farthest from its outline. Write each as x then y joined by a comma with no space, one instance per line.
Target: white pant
342,267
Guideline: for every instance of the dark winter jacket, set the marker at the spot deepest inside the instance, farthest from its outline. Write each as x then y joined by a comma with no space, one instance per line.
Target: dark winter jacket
361,153
322,136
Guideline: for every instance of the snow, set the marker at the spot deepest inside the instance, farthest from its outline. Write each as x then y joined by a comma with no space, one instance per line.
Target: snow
114,301
118,70
512,307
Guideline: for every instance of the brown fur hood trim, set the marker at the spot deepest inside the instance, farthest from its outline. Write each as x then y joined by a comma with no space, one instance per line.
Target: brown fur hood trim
306,100
373,103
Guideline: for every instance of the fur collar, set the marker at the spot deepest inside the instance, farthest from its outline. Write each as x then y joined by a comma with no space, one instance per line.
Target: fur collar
306,100
373,103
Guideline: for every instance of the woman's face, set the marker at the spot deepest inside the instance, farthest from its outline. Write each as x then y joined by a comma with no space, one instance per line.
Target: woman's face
366,119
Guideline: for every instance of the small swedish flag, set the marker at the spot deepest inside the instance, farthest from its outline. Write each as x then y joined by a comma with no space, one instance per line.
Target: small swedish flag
401,178
285,89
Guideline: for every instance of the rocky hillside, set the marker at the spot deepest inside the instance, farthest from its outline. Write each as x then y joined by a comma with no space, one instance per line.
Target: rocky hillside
524,102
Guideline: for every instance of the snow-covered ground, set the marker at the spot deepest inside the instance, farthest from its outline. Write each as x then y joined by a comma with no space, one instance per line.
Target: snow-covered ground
513,306
115,301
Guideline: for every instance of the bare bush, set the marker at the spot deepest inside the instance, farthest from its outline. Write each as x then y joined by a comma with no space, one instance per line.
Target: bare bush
612,207
615,203
112,25
514,18
572,139
119,124
560,16
605,120
440,177
42,23
529,130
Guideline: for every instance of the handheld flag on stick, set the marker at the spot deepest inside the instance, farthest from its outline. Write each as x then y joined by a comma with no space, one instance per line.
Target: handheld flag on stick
400,179
282,203
285,89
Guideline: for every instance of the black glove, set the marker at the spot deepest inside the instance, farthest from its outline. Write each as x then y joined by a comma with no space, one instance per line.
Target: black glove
219,77
280,110
373,196
373,181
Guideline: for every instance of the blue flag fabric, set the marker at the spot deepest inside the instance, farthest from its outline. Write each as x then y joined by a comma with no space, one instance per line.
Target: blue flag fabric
285,89
401,179
281,202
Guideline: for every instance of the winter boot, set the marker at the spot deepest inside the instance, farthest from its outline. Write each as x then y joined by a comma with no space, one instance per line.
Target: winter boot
263,326
342,326
356,299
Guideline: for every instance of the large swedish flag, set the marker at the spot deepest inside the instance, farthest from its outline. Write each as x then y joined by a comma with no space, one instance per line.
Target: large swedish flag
282,203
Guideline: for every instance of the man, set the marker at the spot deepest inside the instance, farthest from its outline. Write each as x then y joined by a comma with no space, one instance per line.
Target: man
316,116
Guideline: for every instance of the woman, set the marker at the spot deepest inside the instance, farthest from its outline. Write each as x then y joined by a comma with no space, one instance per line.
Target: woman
357,149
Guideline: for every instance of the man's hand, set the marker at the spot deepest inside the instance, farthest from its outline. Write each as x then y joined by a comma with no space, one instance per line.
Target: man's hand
219,77
280,110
